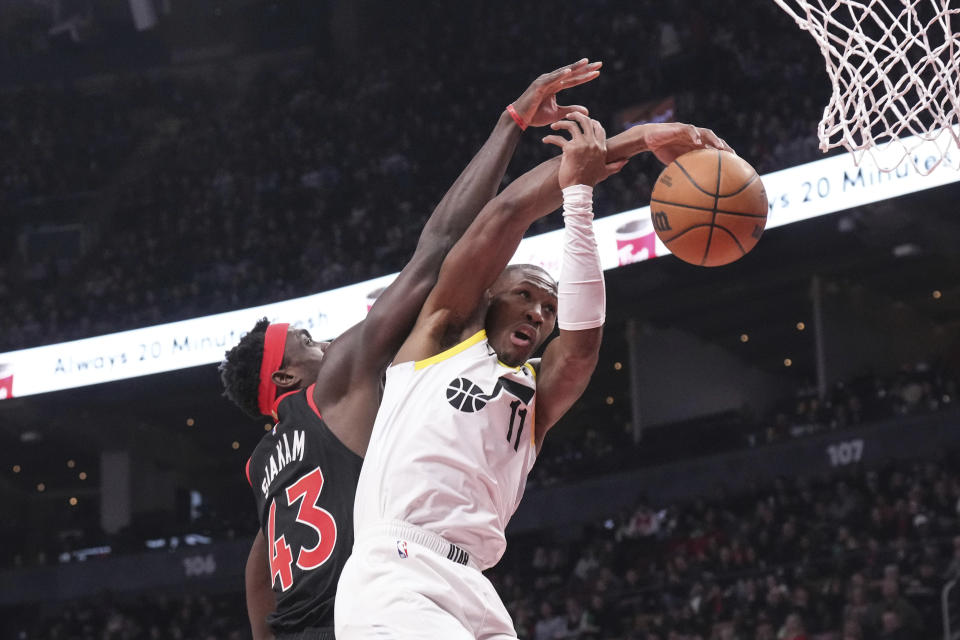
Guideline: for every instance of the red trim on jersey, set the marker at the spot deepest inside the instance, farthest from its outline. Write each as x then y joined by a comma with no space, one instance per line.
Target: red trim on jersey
274,342
276,403
313,405
247,470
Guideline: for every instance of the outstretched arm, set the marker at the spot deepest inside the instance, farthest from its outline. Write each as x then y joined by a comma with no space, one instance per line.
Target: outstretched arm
370,346
569,361
668,141
478,258
475,263
487,246
391,319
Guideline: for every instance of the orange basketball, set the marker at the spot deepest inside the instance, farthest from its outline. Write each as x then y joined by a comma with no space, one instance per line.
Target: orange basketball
709,207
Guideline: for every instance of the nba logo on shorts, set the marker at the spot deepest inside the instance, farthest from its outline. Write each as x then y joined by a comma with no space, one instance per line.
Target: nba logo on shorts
402,548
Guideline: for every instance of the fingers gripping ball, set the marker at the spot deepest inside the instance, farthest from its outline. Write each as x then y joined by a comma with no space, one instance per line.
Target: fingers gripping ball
709,207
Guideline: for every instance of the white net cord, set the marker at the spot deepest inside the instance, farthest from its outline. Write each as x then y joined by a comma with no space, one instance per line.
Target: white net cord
895,70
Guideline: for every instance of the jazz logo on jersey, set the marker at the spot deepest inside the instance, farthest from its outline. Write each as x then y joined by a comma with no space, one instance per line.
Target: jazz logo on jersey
467,396
402,548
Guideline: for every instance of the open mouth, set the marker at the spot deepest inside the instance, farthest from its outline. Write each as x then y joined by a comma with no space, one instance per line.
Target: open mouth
521,338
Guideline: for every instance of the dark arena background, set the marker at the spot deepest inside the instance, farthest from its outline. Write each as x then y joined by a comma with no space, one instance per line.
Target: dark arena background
767,449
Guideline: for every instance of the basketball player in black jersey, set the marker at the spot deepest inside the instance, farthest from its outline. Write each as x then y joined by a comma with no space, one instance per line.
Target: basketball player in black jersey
304,472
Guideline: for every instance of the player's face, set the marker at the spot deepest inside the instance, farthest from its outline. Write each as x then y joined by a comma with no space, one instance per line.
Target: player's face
522,314
302,357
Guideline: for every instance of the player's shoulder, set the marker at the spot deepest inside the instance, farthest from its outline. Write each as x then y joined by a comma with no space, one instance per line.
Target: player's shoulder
298,404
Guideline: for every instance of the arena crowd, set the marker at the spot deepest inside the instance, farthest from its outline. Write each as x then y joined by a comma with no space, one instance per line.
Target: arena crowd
201,193
860,555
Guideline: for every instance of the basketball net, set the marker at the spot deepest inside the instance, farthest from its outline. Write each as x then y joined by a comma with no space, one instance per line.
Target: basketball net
895,70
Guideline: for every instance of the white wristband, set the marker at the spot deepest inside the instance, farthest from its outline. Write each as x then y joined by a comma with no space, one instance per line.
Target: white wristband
582,301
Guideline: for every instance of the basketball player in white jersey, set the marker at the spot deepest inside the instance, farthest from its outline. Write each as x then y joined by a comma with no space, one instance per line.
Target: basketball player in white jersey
465,411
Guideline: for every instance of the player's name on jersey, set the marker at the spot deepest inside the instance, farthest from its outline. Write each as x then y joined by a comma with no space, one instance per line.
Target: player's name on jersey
284,454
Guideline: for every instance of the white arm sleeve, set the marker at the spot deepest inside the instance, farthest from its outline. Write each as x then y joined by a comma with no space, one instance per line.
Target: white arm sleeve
581,300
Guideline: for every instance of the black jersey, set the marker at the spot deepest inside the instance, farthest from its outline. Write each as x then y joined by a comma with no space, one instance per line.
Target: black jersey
304,481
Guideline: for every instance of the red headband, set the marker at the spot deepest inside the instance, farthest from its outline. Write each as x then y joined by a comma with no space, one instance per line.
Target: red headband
274,342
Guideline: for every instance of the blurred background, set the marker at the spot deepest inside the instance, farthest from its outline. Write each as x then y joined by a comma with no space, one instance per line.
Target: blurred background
767,450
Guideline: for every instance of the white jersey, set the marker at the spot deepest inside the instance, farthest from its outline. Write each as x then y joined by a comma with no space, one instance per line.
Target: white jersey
451,448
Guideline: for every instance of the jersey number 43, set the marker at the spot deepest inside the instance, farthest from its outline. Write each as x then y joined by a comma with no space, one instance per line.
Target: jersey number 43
306,491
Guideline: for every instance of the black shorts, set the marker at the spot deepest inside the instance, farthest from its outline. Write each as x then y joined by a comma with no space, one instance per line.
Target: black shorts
310,633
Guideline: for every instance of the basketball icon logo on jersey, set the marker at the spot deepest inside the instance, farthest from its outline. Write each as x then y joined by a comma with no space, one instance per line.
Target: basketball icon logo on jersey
402,548
467,396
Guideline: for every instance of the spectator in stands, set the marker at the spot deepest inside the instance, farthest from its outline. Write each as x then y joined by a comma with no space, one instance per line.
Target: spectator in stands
953,569
857,607
549,626
906,618
793,628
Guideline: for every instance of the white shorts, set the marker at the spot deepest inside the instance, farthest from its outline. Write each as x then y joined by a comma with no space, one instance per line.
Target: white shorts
399,583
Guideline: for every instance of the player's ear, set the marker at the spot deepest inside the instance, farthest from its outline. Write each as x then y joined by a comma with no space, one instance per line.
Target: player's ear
283,379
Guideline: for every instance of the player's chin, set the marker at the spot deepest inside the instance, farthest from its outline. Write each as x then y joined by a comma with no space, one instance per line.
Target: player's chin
515,356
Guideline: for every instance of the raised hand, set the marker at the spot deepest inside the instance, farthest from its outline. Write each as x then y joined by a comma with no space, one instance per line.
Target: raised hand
584,154
577,125
670,140
538,105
